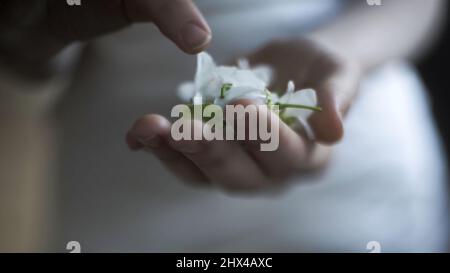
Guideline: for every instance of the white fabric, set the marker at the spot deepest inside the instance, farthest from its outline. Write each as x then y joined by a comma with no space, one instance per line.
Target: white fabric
385,182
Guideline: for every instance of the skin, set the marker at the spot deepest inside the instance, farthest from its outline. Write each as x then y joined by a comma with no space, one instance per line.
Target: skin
331,60
244,168
48,26
32,32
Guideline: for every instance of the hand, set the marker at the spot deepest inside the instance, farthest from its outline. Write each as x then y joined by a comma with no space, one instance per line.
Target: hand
235,166
333,75
35,30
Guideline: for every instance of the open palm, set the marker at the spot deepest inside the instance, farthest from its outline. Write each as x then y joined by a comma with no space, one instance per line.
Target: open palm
241,166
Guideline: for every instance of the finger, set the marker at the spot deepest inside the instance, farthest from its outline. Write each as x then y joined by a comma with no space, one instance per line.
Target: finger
151,133
290,154
327,124
178,164
334,96
179,20
225,163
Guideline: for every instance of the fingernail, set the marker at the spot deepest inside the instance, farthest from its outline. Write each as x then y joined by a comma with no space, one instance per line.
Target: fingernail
194,36
152,142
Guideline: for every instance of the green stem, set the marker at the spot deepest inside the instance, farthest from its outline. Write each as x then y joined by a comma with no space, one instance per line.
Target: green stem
282,106
224,89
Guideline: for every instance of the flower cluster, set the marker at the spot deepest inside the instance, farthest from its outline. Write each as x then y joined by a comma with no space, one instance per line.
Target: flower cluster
221,85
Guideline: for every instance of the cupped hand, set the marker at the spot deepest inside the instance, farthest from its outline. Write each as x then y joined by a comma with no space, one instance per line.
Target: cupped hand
333,74
241,166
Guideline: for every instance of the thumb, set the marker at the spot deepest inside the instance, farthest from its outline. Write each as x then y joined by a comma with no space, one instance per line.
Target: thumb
327,125
335,97
178,20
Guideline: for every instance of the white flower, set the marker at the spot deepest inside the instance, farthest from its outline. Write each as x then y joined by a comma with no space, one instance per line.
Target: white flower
299,105
223,84
305,97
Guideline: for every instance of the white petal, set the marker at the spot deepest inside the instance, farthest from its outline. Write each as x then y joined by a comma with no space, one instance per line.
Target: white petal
274,97
205,66
197,100
247,78
304,97
186,91
244,92
240,93
226,72
287,97
243,64
210,88
290,87
264,73
240,77
210,78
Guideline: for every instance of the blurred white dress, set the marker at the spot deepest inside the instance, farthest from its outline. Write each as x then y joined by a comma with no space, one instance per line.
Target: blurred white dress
385,183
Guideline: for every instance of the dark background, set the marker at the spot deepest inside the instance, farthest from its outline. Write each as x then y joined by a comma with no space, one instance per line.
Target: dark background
436,73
